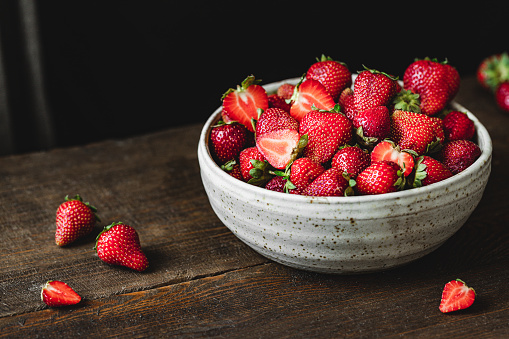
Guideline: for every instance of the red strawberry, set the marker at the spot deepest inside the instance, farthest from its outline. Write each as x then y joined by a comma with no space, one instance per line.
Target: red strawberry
326,131
276,101
276,184
347,103
285,91
56,293
308,94
437,83
233,168
456,296
242,104
248,158
275,119
457,125
352,160
429,171
74,220
372,125
493,71
119,244
373,88
334,75
332,182
387,150
502,96
279,147
227,140
413,131
457,155
380,177
304,171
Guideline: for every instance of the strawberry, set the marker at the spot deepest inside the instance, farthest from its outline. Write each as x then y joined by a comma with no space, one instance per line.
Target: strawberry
457,125
373,88
351,160
412,131
429,171
457,155
56,293
285,91
227,140
309,93
332,182
74,220
303,171
387,150
493,71
276,184
119,244
326,131
372,125
347,103
437,83
233,168
242,104
253,162
456,296
279,147
275,119
502,96
380,177
276,101
334,75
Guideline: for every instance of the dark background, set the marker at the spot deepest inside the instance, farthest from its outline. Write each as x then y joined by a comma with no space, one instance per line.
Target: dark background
119,68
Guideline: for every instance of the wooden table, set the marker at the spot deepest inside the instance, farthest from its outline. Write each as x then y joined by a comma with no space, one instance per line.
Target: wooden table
202,280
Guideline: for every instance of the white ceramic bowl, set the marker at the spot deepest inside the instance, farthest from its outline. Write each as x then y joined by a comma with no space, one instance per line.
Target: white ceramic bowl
345,235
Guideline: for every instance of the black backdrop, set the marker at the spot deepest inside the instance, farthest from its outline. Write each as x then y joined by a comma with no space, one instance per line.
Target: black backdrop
119,68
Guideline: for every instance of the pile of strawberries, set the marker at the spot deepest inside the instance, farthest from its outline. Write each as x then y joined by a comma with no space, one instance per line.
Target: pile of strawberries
329,136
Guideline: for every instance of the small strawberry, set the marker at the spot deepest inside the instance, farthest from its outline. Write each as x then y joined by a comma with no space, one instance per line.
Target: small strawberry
429,171
275,119
227,140
412,131
119,244
456,296
326,131
387,150
242,104
74,220
373,88
458,155
56,293
372,125
276,184
502,96
334,75
303,171
352,160
332,182
437,83
347,103
493,71
457,125
276,101
380,177
279,147
285,91
253,166
309,93
233,168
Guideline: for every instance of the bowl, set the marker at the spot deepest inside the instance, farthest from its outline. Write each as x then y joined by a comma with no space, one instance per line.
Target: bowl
344,235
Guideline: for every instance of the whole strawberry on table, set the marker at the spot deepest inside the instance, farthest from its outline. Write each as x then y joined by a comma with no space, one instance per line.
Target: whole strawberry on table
493,75
329,136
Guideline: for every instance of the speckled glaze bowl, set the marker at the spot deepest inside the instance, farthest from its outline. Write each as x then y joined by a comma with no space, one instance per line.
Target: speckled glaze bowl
345,235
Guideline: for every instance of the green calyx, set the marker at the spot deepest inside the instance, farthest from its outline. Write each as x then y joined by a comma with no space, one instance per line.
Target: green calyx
250,80
259,173
496,70
77,197
444,62
420,172
408,101
374,71
106,229
349,191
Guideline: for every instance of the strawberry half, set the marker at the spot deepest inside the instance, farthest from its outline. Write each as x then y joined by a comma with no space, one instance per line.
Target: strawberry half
279,147
387,150
456,296
56,293
309,93
242,104
74,220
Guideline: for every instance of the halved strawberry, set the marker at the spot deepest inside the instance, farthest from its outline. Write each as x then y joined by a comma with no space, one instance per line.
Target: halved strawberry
308,94
56,293
387,150
279,147
456,296
242,104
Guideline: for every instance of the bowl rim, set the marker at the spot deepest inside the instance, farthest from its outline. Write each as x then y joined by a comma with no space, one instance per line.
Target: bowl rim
483,160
